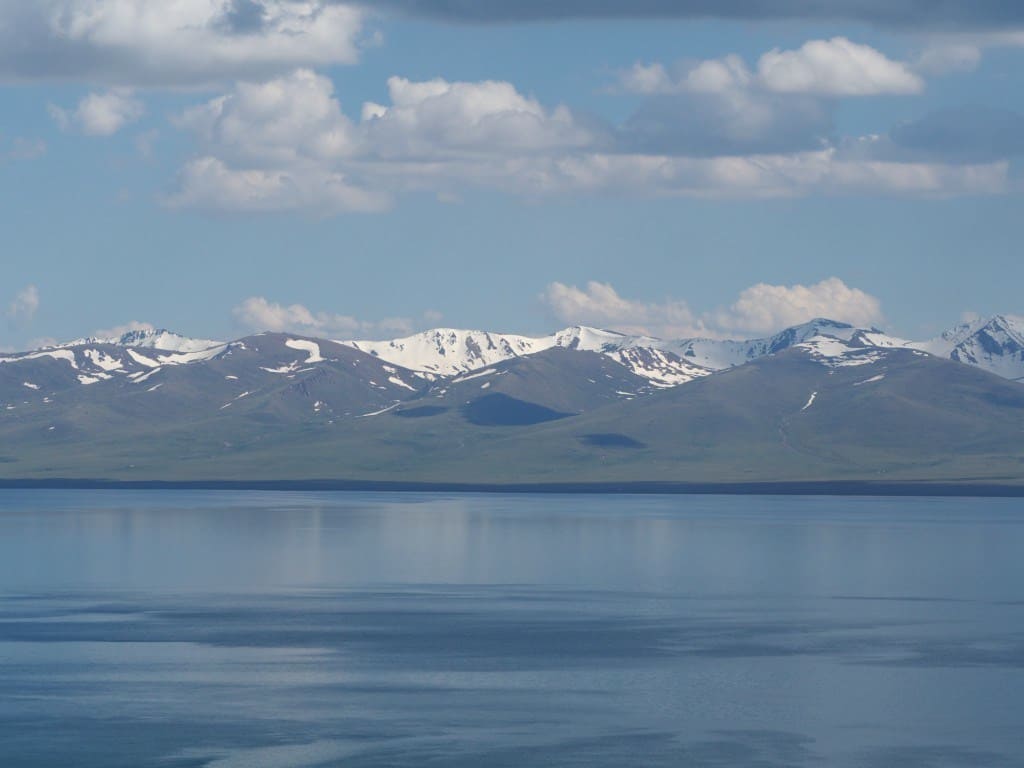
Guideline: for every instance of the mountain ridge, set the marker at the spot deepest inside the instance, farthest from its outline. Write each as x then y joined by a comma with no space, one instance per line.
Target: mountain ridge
897,416
995,344
679,361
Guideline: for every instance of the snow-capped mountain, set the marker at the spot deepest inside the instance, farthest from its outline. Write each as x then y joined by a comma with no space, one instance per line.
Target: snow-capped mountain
642,355
449,352
665,363
581,403
718,355
267,371
994,344
89,362
149,339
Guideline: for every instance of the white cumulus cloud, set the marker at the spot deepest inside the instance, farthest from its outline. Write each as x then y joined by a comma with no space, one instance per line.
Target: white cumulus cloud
274,146
599,304
209,183
24,306
434,117
259,314
101,114
837,67
281,121
834,67
647,78
765,308
823,172
172,43
287,144
761,309
708,76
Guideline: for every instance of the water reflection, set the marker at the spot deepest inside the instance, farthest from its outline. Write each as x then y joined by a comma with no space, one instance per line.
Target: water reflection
194,629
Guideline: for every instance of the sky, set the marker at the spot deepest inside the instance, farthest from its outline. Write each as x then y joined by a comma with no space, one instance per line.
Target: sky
720,168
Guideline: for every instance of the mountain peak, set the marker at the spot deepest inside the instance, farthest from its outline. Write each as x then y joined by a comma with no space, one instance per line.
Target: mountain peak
450,351
140,336
995,344
826,322
1010,323
822,326
587,338
148,338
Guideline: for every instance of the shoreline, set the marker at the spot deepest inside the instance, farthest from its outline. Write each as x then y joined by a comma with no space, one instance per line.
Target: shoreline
803,488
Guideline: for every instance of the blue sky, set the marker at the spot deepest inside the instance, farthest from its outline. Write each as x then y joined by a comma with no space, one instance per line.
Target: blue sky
223,166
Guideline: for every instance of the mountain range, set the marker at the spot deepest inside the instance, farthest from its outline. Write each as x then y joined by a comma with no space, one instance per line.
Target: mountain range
821,402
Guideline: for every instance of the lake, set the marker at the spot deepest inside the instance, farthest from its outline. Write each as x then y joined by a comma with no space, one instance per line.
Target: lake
291,630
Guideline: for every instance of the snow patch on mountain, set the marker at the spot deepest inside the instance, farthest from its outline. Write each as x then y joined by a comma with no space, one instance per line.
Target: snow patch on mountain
872,380
57,354
399,383
143,376
836,353
310,347
142,359
284,369
663,369
95,360
187,358
477,375
644,356
380,412
102,360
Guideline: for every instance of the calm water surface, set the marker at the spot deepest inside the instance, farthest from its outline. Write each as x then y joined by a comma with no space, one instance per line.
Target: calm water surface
251,630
